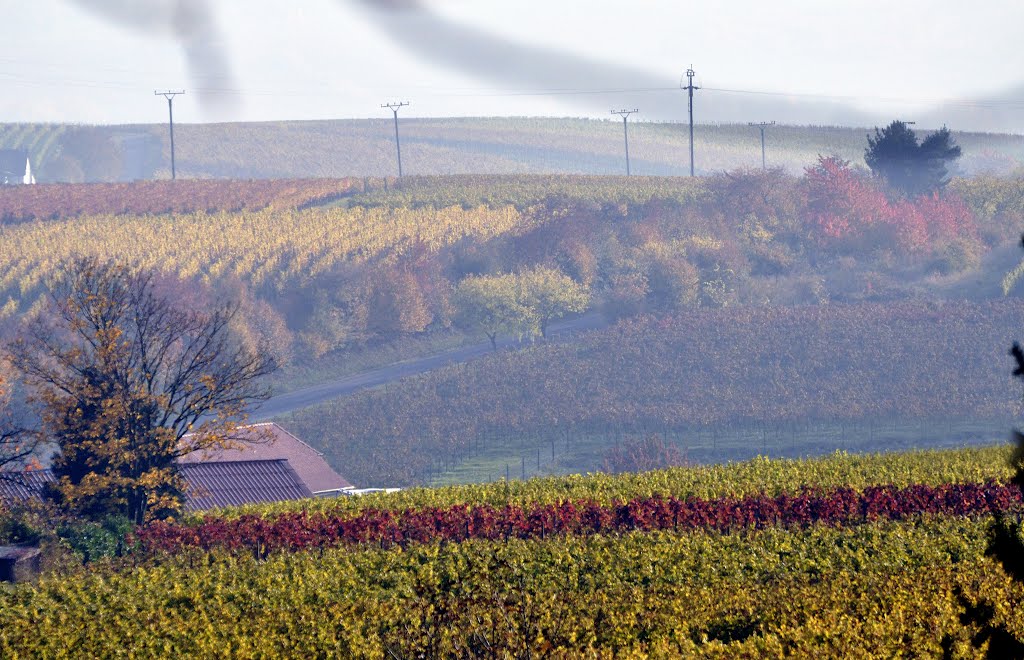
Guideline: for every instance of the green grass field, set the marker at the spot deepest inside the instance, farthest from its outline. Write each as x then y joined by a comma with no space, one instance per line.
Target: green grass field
530,456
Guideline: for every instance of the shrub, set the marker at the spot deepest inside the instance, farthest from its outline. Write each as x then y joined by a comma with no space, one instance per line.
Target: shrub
20,525
957,256
847,212
642,455
96,540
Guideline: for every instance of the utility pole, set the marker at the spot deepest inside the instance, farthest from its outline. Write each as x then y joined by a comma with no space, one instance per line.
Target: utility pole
689,88
169,95
762,125
398,146
625,130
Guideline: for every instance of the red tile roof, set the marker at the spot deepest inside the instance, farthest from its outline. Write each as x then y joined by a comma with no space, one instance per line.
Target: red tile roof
268,441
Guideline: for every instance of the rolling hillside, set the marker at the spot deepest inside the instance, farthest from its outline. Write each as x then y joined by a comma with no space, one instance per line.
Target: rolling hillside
365,147
720,385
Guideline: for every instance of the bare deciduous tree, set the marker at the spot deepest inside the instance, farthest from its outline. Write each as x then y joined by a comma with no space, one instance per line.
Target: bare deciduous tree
18,444
121,374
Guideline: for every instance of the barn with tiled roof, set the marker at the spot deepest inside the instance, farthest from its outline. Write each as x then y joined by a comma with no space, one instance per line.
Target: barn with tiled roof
265,464
269,441
208,485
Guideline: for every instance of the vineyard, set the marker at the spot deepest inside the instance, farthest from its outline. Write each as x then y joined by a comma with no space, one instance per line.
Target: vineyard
143,198
990,197
735,480
528,191
710,280
680,377
314,259
271,249
839,507
40,140
705,460
844,556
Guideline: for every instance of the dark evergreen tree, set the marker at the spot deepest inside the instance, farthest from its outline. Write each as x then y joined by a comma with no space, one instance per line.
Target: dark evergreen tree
936,151
913,168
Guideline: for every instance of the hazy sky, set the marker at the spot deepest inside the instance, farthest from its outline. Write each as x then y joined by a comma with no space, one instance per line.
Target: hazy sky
99,61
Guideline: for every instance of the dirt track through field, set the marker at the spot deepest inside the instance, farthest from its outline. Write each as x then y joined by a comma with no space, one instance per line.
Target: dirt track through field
310,396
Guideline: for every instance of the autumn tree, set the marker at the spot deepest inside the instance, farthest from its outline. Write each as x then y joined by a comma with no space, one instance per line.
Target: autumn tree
18,444
396,304
494,304
120,375
518,303
626,294
673,282
848,212
550,294
913,168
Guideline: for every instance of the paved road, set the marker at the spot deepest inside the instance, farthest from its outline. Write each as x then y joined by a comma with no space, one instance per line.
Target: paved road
285,403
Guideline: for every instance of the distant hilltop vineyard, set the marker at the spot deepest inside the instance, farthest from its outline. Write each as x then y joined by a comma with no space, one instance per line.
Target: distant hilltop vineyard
365,147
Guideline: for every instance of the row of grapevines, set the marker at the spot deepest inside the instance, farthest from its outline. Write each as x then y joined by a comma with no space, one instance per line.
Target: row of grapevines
525,191
733,480
63,200
269,248
761,475
842,506
877,590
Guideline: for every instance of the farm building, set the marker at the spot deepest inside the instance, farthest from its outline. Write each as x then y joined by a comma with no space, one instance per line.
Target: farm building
15,167
268,441
268,465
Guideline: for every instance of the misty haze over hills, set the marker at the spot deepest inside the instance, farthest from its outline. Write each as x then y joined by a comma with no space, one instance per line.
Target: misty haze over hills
488,57
447,146
933,64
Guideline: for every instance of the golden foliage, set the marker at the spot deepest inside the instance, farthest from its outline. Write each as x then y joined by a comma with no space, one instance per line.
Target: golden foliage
877,590
267,248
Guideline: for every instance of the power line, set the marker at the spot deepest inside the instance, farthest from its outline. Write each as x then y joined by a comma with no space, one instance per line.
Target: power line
394,107
625,130
169,95
12,78
967,103
690,88
954,102
762,125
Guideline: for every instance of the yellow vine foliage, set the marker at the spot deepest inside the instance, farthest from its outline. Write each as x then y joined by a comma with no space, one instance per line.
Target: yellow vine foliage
266,248
760,475
875,590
